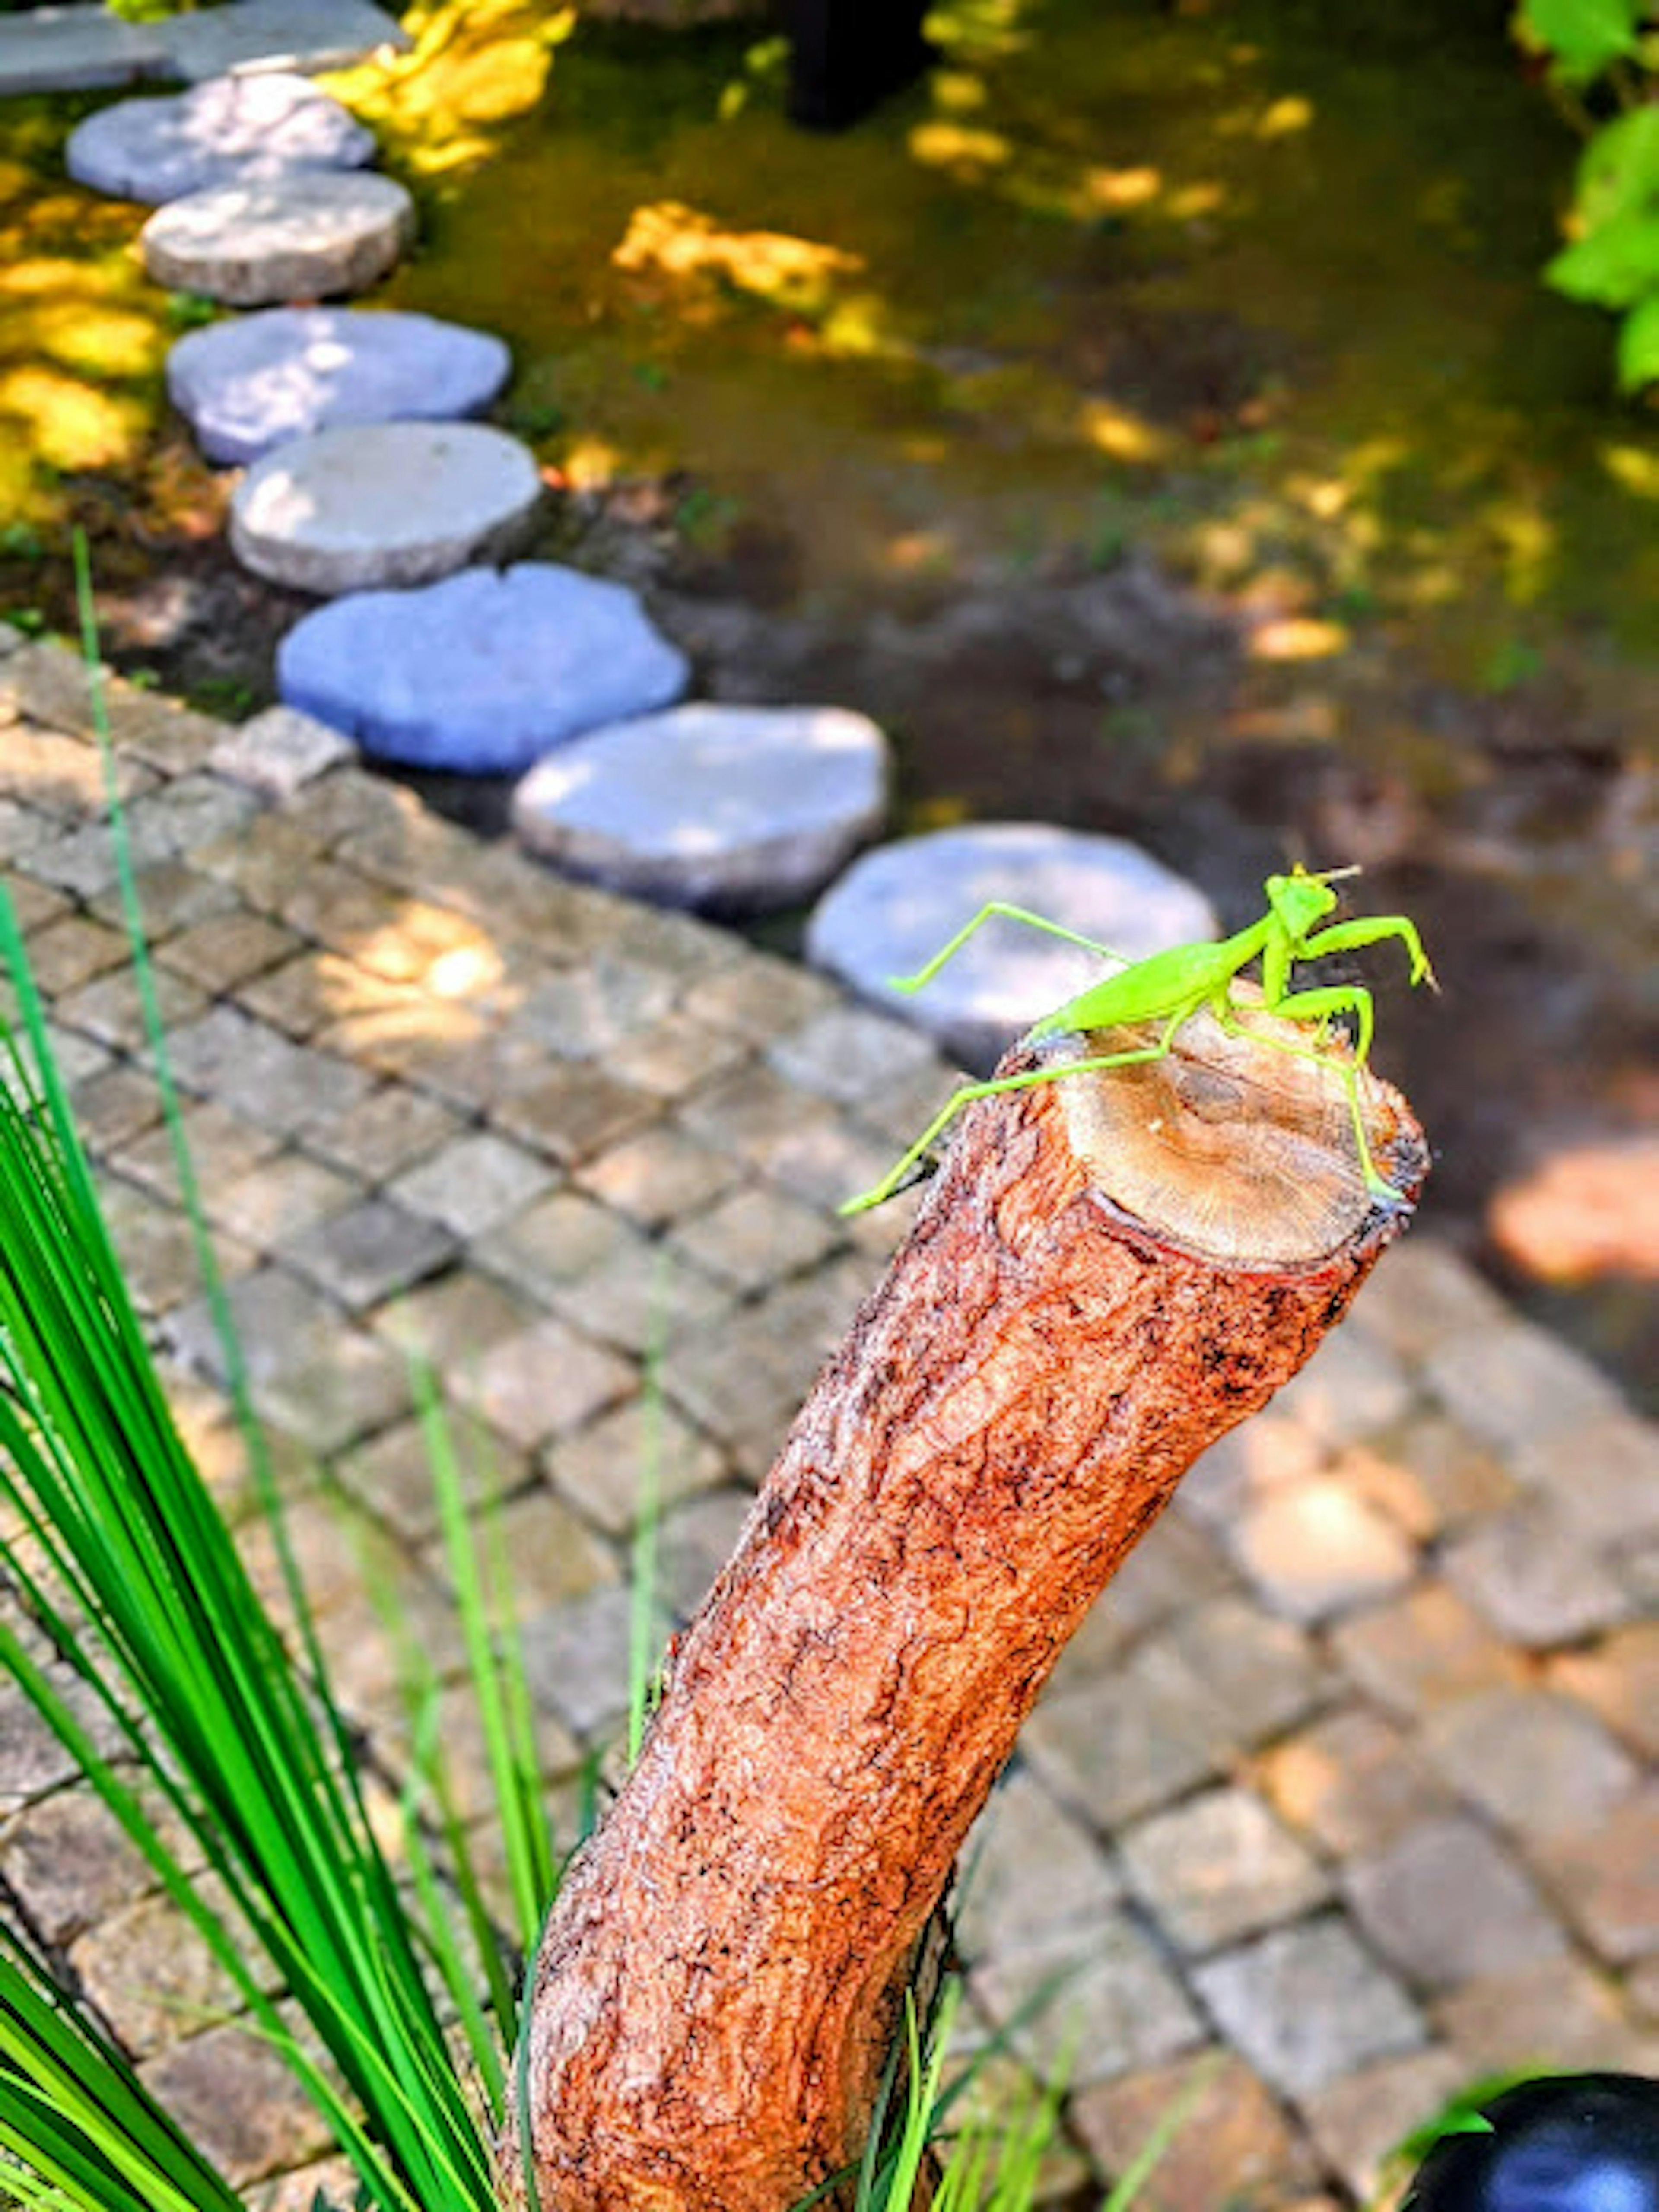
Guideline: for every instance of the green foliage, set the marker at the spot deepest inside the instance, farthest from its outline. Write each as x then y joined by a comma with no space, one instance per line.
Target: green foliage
1584,36
1603,58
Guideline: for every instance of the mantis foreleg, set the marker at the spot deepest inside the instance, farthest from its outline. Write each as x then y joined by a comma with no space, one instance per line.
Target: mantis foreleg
997,908
1352,936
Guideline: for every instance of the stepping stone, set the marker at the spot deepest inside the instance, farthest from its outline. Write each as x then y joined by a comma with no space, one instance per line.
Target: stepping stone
896,907
231,131
247,384
278,34
729,810
304,235
77,50
383,503
483,673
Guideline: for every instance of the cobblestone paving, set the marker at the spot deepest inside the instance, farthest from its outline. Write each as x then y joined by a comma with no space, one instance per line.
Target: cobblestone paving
1349,1779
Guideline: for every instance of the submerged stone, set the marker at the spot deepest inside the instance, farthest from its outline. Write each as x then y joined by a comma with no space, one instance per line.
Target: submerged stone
897,907
279,34
304,234
230,131
248,384
379,503
71,49
730,810
483,673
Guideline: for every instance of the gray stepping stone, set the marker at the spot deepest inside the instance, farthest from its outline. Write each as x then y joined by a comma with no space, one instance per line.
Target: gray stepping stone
77,50
730,810
231,130
896,907
308,234
247,384
281,34
483,673
383,503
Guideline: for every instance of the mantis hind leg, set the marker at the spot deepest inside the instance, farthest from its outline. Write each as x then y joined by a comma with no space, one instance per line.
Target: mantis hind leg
996,909
899,1172
1321,1007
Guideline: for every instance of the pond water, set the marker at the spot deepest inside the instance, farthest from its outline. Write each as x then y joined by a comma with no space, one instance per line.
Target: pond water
1154,417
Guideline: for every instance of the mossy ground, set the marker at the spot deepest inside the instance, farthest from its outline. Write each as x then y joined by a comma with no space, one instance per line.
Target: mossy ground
1247,287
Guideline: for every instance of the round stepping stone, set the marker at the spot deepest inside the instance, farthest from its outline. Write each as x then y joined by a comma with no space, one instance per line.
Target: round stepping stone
483,673
379,503
729,810
231,131
895,907
306,234
250,384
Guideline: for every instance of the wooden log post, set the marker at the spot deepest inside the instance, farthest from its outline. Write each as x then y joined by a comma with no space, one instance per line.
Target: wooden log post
1108,1274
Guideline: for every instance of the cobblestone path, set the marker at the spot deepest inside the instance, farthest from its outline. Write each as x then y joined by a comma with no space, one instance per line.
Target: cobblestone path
1349,1777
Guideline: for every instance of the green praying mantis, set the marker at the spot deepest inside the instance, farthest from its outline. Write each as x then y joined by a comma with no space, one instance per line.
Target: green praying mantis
1171,986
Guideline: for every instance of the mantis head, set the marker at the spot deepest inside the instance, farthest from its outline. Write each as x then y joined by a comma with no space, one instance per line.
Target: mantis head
1301,900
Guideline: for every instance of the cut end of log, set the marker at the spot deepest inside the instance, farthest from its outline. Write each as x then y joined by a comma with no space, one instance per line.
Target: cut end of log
1239,1146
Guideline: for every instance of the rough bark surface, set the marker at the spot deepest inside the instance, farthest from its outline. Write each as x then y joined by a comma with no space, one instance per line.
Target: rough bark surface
1010,1410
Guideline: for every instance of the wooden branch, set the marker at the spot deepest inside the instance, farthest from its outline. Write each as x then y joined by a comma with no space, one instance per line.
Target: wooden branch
1108,1275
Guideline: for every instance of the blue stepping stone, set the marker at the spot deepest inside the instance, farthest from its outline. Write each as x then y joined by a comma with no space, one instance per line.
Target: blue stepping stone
246,386
896,907
228,132
729,810
483,673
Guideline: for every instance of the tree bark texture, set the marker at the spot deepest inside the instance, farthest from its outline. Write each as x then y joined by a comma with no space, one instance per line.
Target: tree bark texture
719,1982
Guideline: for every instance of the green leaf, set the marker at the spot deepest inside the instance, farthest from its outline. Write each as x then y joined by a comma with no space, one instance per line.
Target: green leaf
1618,173
1584,35
1638,345
1615,266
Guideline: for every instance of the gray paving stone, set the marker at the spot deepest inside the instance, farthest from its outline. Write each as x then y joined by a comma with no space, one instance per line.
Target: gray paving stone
77,49
308,235
1427,1650
638,1450
246,386
1236,2150
475,1183
284,35
369,1252
1518,1386
1315,1550
230,131
1555,2012
1533,1578
279,750
1217,1868
1352,1387
483,672
1446,1903
897,907
576,1660
1352,1781
1099,2001
1606,1874
545,1381
725,810
1029,1871
1131,1741
1358,2121
238,2102
1535,1760
377,506
1306,2006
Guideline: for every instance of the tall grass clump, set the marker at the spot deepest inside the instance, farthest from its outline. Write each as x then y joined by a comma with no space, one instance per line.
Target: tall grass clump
155,1665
